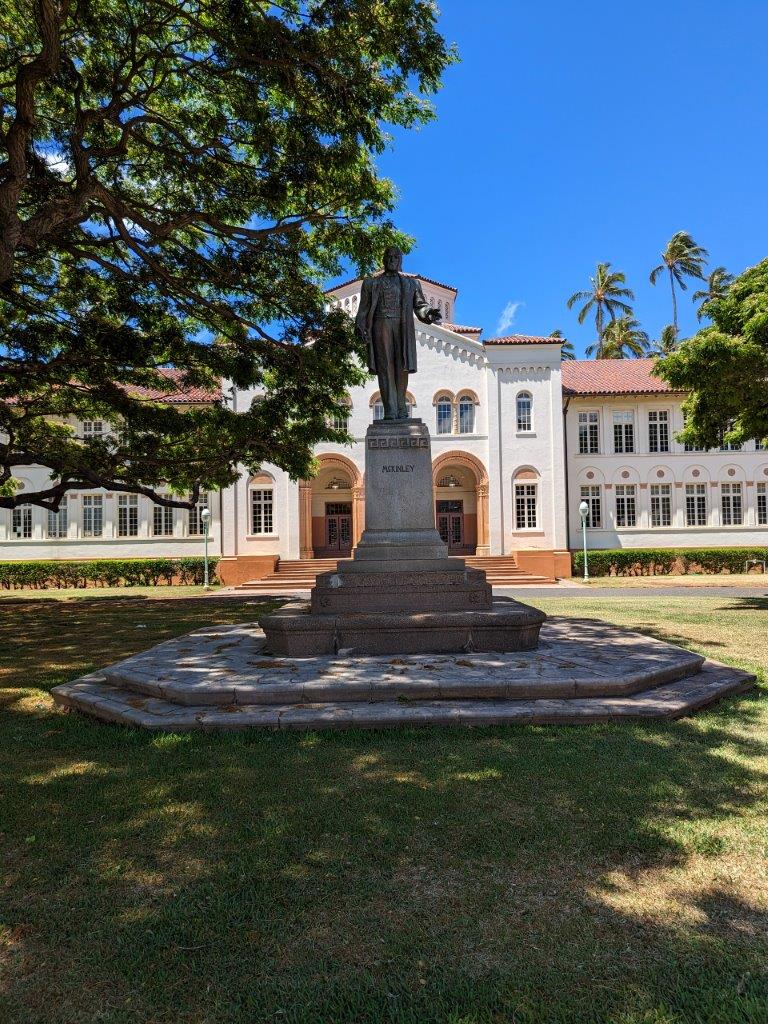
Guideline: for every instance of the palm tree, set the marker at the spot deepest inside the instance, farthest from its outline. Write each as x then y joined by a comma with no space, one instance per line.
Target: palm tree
718,283
682,258
666,342
607,295
622,338
567,350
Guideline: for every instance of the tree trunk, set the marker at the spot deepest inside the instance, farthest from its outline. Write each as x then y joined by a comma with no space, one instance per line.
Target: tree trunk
600,331
674,299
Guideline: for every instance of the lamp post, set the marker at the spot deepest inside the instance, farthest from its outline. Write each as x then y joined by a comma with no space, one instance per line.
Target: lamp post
205,516
584,513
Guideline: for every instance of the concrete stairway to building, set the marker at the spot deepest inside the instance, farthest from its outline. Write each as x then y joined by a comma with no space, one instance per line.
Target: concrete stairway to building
300,574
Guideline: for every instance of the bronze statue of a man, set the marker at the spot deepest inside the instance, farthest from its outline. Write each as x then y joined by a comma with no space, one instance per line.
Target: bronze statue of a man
384,321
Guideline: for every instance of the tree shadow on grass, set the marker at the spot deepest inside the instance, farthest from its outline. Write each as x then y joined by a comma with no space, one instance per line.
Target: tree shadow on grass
532,874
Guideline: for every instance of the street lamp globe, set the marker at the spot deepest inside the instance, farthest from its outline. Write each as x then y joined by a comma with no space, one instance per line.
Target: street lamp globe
205,515
205,518
584,511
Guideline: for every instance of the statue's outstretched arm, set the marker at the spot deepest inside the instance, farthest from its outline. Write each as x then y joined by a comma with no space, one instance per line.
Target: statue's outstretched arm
424,312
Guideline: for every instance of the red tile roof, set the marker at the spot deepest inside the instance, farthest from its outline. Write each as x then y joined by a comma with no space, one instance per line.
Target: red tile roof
523,339
176,393
462,328
421,277
611,377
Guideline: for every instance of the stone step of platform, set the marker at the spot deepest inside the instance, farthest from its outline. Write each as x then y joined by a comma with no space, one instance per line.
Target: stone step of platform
221,677
94,696
301,574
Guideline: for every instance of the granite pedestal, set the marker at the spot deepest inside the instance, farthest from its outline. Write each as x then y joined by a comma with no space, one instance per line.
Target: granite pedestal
401,592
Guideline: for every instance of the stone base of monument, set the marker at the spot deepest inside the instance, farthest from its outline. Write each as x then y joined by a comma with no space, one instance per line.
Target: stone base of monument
294,631
222,678
401,593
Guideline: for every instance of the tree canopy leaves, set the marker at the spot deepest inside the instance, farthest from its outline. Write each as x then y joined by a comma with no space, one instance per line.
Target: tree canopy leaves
725,366
178,178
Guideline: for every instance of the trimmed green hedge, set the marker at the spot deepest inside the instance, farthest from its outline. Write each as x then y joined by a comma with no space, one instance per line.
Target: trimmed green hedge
106,572
662,561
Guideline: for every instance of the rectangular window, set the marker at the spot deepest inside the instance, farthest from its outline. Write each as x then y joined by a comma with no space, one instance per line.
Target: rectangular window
93,515
658,431
623,431
591,494
626,505
589,433
195,520
524,413
525,506
730,504
21,522
695,504
661,504
92,429
127,515
762,504
728,446
262,510
58,521
444,416
162,521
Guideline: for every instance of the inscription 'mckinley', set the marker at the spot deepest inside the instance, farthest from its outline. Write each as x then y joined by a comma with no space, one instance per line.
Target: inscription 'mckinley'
397,469
398,442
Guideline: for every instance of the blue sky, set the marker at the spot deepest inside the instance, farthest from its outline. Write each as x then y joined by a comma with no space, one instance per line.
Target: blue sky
572,133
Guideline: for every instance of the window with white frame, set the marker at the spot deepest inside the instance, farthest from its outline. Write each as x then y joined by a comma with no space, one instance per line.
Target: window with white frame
623,431
695,504
339,421
127,515
524,412
658,430
262,510
58,522
661,504
93,429
626,505
444,415
729,446
194,519
93,515
762,504
21,522
378,410
162,521
730,504
525,506
591,493
466,415
688,446
589,432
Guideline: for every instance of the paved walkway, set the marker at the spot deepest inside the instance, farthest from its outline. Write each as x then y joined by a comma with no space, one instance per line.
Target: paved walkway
566,590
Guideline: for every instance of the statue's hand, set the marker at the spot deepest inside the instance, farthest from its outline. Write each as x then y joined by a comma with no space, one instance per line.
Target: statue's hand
435,316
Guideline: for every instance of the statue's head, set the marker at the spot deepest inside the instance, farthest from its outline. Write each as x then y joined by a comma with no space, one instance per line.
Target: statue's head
393,259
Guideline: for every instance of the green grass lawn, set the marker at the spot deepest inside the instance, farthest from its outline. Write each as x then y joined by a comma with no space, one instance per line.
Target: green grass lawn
515,874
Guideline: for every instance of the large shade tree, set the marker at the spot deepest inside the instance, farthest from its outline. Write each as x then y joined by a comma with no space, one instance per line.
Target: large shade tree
681,258
177,179
725,366
607,295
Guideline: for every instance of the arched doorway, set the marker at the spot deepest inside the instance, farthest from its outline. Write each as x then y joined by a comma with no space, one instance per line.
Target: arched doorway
331,509
461,503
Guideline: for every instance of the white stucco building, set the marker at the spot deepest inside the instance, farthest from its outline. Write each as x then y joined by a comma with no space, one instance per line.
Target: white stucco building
519,438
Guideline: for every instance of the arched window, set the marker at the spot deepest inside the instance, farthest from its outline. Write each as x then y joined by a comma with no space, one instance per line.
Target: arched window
444,407
262,505
524,412
466,415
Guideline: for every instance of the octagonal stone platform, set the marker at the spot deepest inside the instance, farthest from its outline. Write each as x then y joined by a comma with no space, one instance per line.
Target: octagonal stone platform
222,678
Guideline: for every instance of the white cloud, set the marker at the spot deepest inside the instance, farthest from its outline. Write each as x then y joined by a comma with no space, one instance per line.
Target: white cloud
508,314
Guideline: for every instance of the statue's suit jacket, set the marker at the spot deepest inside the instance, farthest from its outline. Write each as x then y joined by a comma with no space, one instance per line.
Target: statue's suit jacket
413,301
